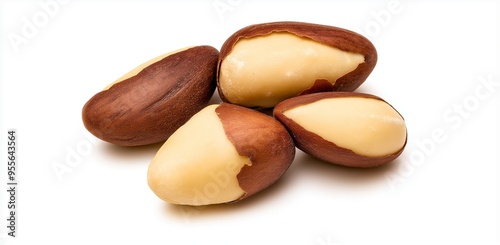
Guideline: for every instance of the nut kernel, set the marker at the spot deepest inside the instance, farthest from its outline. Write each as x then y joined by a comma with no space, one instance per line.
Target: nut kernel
153,101
345,128
270,66
224,153
264,70
201,171
366,126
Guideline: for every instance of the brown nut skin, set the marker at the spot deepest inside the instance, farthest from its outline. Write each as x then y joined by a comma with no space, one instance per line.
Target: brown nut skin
261,138
320,148
340,38
148,107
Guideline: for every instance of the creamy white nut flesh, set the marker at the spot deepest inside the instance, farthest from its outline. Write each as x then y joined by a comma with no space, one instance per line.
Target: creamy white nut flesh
198,164
264,70
139,68
367,126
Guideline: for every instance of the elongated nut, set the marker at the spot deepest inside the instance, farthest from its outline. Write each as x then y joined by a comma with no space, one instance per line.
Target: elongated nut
263,64
224,153
149,103
346,128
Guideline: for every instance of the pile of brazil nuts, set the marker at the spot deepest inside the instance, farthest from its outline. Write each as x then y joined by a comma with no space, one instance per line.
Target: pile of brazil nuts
222,153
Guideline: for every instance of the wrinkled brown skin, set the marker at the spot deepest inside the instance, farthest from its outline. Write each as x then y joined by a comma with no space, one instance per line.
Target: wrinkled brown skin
260,138
332,36
320,148
148,107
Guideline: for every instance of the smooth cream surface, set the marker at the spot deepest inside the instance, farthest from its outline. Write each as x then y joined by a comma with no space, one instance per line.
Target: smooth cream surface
367,126
141,67
264,70
198,164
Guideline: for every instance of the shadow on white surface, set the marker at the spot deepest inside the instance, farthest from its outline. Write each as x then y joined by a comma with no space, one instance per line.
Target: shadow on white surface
348,177
290,188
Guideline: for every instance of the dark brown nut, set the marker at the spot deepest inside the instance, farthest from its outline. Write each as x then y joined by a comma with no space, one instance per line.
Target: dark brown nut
263,64
149,103
224,153
346,128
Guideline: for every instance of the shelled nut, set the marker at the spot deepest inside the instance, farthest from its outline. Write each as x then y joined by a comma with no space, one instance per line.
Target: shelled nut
149,103
263,64
346,128
224,153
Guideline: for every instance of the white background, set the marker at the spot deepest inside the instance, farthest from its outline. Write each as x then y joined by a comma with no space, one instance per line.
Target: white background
433,56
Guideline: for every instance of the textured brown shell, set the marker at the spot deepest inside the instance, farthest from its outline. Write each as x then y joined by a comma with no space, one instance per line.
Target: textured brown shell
315,145
261,138
148,107
332,36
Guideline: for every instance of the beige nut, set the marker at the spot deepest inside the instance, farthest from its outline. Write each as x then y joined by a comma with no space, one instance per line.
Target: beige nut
149,103
224,153
346,128
264,64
